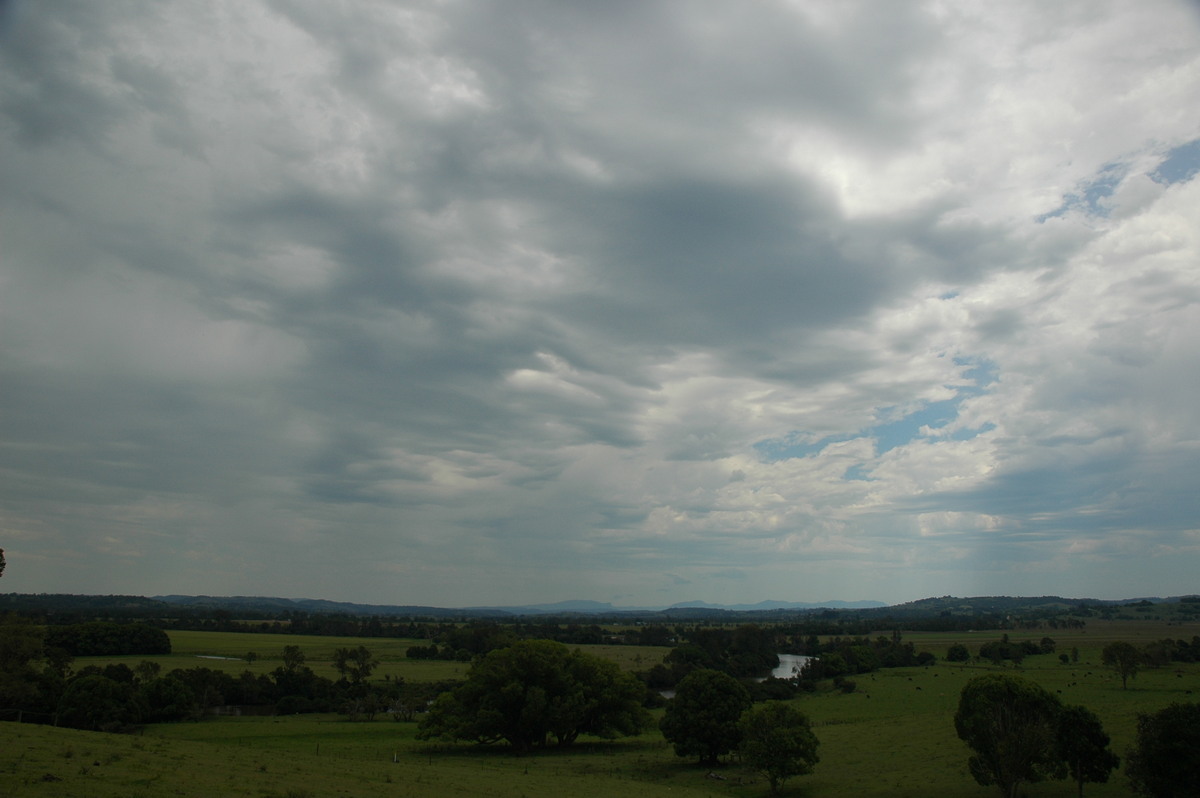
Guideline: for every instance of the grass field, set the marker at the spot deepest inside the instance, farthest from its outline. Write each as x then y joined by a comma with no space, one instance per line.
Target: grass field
225,651
893,737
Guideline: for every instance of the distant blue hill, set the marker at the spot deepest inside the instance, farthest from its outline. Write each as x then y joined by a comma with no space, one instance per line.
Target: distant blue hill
944,606
266,606
763,606
575,607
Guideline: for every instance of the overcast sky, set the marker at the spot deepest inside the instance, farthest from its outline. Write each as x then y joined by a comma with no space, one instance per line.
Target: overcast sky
462,303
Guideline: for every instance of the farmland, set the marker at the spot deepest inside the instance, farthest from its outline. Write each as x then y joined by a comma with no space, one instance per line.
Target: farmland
226,651
893,736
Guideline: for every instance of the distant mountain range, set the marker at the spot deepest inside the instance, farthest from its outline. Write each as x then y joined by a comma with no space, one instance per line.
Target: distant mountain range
259,606
944,605
578,607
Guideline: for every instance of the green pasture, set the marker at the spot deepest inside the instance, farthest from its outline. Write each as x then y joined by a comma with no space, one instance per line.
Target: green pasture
226,651
893,736
1089,640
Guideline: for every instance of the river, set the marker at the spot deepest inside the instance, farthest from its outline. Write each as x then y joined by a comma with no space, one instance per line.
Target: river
789,665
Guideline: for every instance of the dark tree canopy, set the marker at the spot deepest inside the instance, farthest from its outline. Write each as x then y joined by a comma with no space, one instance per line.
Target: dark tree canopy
1083,746
293,657
104,639
356,663
1165,760
778,741
534,691
702,719
1011,724
99,703
21,645
1124,658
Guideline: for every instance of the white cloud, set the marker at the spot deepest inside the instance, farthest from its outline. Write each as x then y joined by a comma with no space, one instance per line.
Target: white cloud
497,303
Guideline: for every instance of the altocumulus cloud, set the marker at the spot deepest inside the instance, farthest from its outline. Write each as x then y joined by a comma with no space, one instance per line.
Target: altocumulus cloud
499,302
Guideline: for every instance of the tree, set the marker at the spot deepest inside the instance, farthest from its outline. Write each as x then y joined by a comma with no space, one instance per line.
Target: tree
957,653
147,671
99,703
292,657
536,690
1,562
168,699
1011,724
1083,745
702,719
778,741
357,663
1003,649
1165,759
103,638
1124,658
21,645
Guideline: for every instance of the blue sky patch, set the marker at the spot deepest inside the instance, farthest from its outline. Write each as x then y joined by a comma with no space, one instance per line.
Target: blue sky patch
1180,164
897,433
795,444
891,434
857,472
1092,194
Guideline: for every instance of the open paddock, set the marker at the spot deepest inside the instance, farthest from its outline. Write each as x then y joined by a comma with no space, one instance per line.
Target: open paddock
226,652
893,737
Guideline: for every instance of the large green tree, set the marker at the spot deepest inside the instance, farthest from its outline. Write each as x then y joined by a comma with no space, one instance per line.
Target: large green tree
778,741
1083,746
702,719
1124,658
1011,724
536,691
1165,760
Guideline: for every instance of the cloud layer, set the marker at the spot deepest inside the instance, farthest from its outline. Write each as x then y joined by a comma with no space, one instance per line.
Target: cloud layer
487,303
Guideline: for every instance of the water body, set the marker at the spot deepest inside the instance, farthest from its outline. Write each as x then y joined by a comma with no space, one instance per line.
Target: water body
789,666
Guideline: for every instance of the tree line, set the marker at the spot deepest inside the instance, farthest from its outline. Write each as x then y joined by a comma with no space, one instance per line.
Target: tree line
37,683
1020,733
539,693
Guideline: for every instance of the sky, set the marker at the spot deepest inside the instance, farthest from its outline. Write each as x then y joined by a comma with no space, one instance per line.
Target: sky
493,303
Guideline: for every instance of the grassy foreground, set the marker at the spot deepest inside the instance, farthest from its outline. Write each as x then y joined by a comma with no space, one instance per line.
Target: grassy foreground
893,736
